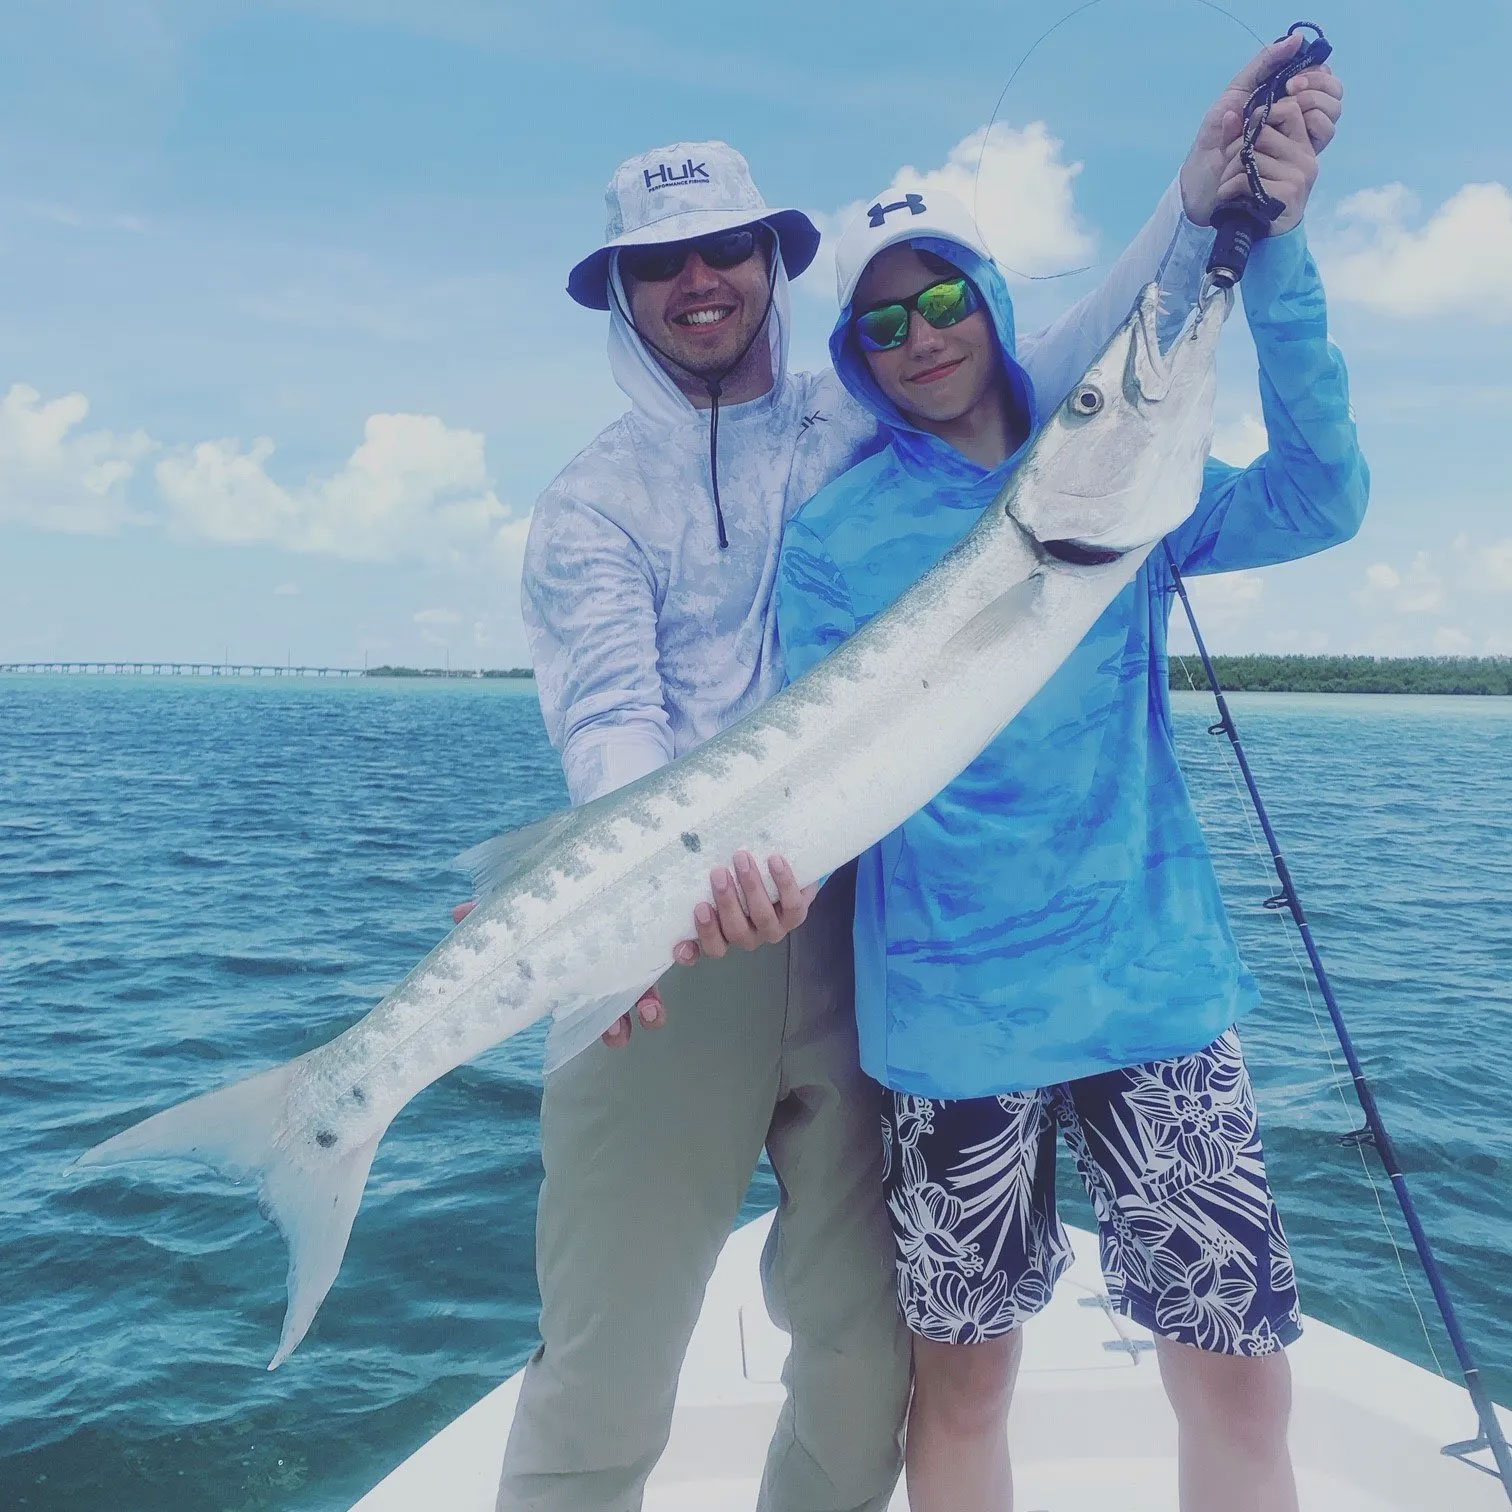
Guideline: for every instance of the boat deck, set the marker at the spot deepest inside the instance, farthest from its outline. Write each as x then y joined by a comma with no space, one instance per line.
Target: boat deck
1090,1426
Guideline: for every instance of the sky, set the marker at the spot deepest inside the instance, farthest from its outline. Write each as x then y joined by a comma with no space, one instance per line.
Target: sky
285,356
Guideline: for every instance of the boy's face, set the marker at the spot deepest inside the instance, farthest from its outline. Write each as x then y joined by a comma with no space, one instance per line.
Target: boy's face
937,376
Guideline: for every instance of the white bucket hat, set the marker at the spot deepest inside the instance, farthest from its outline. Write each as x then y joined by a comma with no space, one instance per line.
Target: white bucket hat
674,193
901,215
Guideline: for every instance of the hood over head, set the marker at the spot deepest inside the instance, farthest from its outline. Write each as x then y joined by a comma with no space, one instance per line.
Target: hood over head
930,221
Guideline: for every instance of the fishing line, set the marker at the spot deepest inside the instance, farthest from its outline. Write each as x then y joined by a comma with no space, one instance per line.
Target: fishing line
1044,36
1224,759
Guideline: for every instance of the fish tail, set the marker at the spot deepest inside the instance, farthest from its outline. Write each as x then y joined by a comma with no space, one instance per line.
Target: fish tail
310,1180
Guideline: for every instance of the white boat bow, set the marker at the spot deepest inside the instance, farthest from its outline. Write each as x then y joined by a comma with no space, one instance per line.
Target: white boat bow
1090,1426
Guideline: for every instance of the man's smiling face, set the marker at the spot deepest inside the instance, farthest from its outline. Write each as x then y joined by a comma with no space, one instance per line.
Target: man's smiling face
703,317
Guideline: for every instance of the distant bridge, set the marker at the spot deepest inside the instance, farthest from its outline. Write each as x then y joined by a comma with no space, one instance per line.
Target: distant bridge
179,669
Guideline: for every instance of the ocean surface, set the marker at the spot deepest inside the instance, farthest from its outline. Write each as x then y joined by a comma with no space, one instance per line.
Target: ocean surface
199,879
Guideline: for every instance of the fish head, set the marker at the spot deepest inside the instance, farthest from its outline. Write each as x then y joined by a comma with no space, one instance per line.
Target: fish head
1119,463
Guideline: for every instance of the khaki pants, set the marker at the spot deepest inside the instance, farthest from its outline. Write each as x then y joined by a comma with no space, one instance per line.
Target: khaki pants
648,1152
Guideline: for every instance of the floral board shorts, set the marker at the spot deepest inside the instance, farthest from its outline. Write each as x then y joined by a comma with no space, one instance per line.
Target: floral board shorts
1191,1243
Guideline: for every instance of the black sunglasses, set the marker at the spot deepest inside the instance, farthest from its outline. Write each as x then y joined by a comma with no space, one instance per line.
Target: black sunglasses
663,260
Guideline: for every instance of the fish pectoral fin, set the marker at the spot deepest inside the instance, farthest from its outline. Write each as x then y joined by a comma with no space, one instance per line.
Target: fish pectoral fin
576,1026
495,861
989,626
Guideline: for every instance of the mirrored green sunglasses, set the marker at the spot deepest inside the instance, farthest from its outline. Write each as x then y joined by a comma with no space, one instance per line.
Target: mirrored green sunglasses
943,304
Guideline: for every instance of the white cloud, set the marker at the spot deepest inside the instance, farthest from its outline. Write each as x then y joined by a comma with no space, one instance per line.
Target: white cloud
1495,564
56,476
1418,590
1406,611
438,627
1024,203
1225,604
1459,261
1225,597
414,488
507,552
1240,441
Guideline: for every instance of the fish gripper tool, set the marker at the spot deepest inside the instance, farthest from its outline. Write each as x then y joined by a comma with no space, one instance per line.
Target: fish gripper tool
1242,223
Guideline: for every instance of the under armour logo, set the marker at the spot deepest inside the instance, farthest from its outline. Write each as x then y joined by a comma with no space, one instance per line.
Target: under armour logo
685,173
913,203
813,419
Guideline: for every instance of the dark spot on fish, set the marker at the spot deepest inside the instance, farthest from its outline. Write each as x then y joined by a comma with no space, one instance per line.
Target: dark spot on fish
924,681
359,1096
324,1138
692,841
526,971
787,792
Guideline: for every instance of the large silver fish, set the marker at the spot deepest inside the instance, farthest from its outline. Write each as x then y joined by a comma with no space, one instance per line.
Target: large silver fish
580,912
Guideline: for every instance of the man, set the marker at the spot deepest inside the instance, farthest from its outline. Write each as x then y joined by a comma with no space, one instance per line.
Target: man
648,598
1044,944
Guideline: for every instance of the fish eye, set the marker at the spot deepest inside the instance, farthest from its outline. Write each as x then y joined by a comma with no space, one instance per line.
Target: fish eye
1086,400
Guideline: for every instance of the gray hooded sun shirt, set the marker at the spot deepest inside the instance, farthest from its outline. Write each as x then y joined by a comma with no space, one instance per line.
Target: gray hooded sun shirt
647,637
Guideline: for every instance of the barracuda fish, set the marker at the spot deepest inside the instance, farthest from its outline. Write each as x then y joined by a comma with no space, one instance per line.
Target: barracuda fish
580,912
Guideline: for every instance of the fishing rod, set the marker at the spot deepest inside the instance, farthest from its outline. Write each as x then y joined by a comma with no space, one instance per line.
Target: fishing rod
1374,1133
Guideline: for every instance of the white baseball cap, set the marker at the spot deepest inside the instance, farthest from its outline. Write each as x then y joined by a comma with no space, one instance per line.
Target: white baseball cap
675,193
901,215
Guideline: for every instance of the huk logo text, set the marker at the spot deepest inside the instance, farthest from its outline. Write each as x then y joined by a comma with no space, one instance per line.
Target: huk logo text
665,177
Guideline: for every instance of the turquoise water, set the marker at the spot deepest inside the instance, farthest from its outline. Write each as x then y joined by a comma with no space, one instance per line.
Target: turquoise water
197,880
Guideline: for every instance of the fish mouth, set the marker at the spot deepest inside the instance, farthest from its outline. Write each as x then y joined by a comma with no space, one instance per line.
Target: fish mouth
1152,373
1149,371
1070,553
1081,553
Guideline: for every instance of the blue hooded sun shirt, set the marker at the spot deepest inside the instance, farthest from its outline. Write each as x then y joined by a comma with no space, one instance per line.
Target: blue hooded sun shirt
1054,913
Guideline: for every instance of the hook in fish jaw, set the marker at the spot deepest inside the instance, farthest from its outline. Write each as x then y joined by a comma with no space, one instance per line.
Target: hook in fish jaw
1214,289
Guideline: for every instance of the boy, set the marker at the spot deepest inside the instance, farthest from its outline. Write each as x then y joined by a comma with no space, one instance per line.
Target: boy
1044,943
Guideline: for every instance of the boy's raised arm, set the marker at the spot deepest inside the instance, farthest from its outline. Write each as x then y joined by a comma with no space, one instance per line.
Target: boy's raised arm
1309,489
